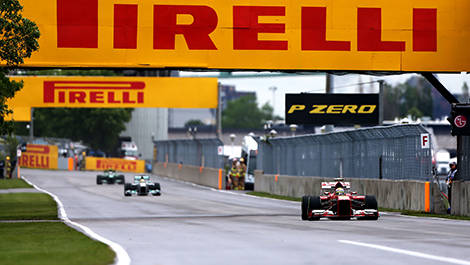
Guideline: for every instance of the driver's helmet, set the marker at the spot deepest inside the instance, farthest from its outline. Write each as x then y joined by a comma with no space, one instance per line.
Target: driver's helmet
339,191
142,180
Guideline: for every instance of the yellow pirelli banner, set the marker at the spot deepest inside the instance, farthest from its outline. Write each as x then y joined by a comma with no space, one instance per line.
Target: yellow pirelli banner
19,114
369,35
115,92
40,156
118,164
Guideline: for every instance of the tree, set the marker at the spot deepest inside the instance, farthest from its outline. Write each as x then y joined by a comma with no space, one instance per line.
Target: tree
244,113
414,97
98,127
18,40
193,123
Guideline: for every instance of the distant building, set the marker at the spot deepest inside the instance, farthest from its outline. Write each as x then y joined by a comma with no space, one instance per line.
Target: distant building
177,118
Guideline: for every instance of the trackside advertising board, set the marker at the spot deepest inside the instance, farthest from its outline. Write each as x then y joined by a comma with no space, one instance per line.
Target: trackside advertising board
118,164
378,35
339,109
39,156
115,92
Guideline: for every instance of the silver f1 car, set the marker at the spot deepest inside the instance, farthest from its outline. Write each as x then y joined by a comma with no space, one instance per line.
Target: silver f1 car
338,202
142,186
110,176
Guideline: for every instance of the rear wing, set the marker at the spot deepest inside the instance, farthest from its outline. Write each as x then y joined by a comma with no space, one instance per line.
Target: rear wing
332,185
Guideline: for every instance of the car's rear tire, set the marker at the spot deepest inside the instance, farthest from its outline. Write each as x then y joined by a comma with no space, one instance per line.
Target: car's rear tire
127,189
120,179
314,203
304,207
99,181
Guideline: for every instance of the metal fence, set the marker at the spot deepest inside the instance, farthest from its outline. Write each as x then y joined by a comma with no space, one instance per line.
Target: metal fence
197,152
393,152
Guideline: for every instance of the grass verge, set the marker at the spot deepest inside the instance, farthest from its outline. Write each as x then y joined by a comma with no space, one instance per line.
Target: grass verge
273,196
13,184
403,212
49,243
27,206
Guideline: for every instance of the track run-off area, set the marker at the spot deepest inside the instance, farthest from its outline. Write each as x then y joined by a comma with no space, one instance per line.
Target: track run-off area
190,224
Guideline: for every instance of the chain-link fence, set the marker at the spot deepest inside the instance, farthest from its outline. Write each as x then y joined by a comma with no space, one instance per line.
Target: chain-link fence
393,152
197,152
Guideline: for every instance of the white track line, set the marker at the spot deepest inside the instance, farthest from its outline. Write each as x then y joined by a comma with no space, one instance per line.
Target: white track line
122,258
407,252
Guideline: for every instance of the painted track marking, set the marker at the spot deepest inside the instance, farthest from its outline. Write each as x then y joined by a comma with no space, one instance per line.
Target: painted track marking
122,258
407,252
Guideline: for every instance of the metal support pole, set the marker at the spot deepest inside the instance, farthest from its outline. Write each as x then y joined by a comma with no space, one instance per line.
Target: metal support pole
31,126
218,118
381,102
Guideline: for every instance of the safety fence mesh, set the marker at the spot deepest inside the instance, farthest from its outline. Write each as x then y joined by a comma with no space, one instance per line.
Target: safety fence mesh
197,152
393,152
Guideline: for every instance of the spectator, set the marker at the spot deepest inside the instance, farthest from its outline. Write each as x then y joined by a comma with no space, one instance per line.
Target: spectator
8,167
233,174
449,180
2,168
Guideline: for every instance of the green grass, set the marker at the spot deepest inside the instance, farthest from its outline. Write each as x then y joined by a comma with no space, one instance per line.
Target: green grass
49,243
27,206
403,212
13,184
273,196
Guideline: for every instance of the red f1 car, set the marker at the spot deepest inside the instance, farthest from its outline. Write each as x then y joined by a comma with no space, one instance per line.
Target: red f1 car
338,202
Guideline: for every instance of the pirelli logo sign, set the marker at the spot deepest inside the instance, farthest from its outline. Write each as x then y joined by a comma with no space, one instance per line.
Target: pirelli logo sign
337,109
94,92
115,92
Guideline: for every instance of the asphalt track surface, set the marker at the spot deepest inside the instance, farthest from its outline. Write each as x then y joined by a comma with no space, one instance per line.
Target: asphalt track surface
190,224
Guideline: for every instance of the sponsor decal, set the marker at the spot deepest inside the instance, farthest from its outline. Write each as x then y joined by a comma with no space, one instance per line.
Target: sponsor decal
122,165
39,156
83,92
408,35
342,109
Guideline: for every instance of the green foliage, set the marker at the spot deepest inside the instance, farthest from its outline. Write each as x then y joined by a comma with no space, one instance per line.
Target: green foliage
97,127
244,113
192,123
413,97
11,144
18,40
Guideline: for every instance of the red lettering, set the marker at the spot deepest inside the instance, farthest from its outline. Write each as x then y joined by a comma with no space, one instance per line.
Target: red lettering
96,97
314,32
246,28
125,26
195,34
424,30
77,24
77,96
61,97
111,98
24,160
140,97
126,98
369,32
32,161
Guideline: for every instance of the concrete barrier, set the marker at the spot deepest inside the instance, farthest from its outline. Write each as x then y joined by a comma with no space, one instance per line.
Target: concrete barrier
210,177
394,194
461,198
